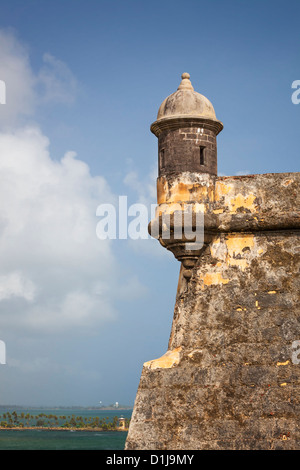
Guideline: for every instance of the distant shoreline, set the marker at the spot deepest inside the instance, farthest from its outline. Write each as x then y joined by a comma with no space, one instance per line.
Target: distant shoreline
98,408
53,428
63,420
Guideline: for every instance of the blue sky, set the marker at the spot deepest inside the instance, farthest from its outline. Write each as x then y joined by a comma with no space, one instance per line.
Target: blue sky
78,315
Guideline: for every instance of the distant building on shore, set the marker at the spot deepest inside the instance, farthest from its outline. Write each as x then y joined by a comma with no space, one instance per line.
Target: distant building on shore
122,423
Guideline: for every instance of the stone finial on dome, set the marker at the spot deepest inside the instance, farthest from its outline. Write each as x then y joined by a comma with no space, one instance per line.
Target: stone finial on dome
186,103
185,82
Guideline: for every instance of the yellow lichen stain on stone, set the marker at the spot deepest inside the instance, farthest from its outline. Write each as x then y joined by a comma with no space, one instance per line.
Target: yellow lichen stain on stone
161,189
218,211
237,246
283,363
181,191
244,202
168,360
221,190
210,279
225,193
237,243
167,209
241,263
234,250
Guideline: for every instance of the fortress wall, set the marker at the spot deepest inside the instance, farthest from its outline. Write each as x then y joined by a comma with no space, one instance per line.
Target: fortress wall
230,376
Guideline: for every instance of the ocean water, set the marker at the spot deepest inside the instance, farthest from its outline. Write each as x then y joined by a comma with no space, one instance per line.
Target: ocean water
66,439
62,440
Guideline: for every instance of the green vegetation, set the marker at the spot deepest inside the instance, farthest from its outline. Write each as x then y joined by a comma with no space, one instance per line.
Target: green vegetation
51,421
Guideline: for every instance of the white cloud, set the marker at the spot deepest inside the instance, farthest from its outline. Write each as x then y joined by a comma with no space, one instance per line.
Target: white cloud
18,77
25,90
55,274
16,285
50,254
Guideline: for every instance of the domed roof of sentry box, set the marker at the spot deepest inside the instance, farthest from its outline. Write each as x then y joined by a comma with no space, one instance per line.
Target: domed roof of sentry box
186,102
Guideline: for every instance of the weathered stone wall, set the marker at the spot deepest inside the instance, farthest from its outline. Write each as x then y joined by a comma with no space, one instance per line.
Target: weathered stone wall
187,141
230,377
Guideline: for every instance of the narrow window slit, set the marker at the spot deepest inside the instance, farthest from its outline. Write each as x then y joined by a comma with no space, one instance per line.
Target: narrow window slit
202,155
162,158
